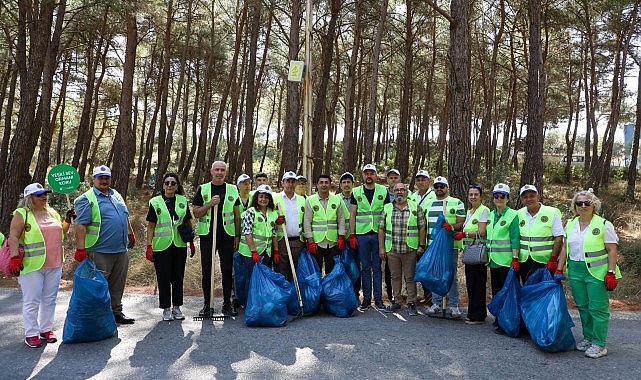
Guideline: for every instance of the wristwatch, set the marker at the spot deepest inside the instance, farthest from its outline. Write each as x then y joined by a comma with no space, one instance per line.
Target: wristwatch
610,270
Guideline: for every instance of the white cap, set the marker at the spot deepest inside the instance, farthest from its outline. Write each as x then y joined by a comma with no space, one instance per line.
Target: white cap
369,167
395,171
34,189
265,189
242,178
102,170
289,175
501,188
301,178
422,173
347,175
528,188
441,180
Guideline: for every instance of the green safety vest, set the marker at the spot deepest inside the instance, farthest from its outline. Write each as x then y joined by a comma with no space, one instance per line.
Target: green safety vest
473,224
35,248
411,228
596,256
1,238
345,213
165,231
231,195
280,205
537,241
431,195
261,232
498,238
93,228
324,221
367,215
450,215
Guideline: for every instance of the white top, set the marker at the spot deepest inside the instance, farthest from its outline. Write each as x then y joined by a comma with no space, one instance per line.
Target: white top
291,214
575,240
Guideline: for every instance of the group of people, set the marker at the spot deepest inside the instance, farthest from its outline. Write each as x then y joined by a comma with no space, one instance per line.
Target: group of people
380,223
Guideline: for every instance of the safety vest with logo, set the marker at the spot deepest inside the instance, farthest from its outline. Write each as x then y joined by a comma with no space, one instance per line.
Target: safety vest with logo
411,229
450,209
261,233
596,256
34,245
498,238
367,215
324,221
165,231
280,205
472,226
93,228
231,195
537,240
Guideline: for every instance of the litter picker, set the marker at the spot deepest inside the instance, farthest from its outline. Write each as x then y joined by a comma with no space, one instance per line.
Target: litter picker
291,264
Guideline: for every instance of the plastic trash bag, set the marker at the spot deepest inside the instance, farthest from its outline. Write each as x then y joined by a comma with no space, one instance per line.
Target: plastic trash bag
89,316
350,265
545,312
309,282
267,298
435,270
338,296
505,305
240,279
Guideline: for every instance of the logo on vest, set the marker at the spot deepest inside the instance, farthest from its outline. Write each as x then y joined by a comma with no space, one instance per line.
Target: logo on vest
230,198
414,212
522,224
544,219
334,206
27,227
158,211
315,208
596,231
181,205
452,211
380,197
475,221
502,222
359,199
302,209
259,218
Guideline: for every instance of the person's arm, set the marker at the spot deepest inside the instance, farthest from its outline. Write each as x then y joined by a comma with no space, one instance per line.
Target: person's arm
515,237
613,251
151,226
460,220
15,231
307,222
200,210
81,232
563,257
236,227
352,219
340,218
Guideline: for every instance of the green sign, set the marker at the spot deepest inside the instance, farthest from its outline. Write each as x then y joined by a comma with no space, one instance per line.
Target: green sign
63,178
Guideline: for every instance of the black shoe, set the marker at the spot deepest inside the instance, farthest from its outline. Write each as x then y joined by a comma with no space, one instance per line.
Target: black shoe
379,305
205,311
229,309
365,305
392,308
121,319
236,304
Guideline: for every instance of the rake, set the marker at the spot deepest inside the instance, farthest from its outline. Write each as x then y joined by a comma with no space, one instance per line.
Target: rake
291,263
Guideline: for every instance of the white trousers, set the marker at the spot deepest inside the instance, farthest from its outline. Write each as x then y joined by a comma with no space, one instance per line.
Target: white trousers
39,292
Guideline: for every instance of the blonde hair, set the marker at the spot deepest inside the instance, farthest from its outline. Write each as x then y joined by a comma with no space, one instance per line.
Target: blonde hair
589,194
26,202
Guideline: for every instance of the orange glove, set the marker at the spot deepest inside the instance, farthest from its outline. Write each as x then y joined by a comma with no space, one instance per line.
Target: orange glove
341,242
515,264
277,257
80,254
610,281
149,253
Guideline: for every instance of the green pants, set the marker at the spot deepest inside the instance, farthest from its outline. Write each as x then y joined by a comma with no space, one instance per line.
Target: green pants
593,301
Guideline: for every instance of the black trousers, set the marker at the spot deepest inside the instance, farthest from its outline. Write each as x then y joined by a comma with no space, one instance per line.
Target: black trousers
170,273
476,282
528,268
326,255
388,282
498,276
225,249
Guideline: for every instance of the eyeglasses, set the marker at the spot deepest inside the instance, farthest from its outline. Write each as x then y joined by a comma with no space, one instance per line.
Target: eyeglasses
583,203
499,196
171,183
439,186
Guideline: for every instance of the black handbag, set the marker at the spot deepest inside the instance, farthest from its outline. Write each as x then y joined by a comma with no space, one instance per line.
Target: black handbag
475,253
186,232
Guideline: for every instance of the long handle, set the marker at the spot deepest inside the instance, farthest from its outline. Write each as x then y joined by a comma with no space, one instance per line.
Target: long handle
291,263
213,252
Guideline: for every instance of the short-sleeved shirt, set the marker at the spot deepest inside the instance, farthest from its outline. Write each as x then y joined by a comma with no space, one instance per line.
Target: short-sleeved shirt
114,224
198,201
171,207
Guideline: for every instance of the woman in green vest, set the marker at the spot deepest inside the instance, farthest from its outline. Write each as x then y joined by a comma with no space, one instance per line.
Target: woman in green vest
591,252
38,230
165,247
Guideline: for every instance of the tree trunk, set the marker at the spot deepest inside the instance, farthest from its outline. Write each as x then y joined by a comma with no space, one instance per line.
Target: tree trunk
349,140
634,156
403,137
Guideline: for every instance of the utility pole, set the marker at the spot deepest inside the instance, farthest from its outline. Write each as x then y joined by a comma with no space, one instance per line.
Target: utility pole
308,162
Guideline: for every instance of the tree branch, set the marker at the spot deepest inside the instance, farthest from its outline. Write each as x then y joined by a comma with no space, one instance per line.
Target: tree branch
441,11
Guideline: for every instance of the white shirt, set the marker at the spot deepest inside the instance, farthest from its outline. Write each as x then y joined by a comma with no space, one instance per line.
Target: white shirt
575,240
291,214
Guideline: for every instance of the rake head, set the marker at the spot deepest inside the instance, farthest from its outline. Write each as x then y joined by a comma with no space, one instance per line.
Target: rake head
213,318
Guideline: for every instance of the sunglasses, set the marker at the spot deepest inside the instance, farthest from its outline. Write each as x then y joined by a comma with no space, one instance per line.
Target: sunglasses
583,203
40,195
171,183
439,186
499,196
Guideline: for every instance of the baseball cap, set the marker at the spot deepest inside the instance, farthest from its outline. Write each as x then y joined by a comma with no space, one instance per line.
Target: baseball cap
301,178
422,173
347,175
102,170
501,188
34,189
289,175
441,180
242,178
528,188
369,167
395,171
266,189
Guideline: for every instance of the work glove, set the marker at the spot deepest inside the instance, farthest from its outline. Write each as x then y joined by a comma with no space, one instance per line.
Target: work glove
515,264
15,265
192,248
353,242
610,281
447,226
552,264
276,257
132,241
280,220
459,235
255,256
149,253
558,275
81,254
341,242
70,215
312,248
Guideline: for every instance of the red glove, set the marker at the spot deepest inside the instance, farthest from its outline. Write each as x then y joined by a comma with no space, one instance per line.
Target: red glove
70,215
552,264
15,265
353,242
341,242
459,235
149,253
280,220
447,226
80,254
277,257
558,271
192,248
610,281
255,256
132,241
312,247
515,264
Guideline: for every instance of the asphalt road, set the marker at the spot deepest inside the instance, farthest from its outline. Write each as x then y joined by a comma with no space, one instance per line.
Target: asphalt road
368,345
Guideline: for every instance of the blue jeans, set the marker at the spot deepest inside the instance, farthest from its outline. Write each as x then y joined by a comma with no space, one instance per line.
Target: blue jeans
370,266
453,293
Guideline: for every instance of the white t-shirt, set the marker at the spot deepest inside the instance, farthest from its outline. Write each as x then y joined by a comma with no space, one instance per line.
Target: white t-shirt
575,240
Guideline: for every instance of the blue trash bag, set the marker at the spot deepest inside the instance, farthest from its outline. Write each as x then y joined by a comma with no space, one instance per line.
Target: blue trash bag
435,270
545,312
505,305
338,296
350,265
309,283
89,316
267,298
240,276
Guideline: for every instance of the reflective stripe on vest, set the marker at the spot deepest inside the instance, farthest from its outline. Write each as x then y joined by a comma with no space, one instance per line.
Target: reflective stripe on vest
411,228
261,233
231,195
596,256
498,238
367,215
537,241
324,223
166,231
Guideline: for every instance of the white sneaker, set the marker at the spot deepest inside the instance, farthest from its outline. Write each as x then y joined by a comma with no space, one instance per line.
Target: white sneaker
177,313
434,309
166,315
456,313
583,345
596,351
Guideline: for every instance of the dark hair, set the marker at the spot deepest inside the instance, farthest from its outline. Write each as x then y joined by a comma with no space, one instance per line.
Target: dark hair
324,176
475,186
254,202
179,189
260,175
